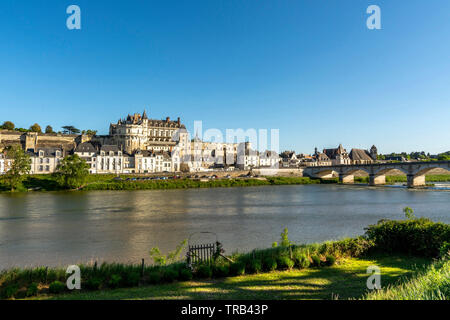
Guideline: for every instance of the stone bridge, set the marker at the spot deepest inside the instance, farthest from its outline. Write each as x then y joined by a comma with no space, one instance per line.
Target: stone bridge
415,171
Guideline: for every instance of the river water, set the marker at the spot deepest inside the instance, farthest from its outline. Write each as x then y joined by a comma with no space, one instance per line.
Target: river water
61,228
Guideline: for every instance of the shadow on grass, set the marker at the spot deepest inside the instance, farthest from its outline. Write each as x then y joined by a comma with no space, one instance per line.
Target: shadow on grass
344,281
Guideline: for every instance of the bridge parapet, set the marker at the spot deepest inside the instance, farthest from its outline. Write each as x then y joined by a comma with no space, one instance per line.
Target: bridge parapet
415,171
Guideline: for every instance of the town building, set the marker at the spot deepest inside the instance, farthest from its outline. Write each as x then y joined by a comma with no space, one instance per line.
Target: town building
45,160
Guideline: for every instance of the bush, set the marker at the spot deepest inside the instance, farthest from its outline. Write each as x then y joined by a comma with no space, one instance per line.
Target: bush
330,260
115,281
237,269
185,274
301,260
221,271
56,287
203,271
444,250
9,291
93,283
32,289
255,266
170,275
132,278
269,264
284,262
421,236
154,277
315,261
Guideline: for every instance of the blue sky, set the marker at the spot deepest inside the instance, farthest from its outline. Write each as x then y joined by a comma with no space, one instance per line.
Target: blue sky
309,68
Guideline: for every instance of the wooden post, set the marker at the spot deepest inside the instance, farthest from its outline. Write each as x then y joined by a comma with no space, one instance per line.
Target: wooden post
142,267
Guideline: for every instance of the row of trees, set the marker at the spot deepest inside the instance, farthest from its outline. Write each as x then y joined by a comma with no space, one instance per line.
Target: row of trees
71,173
8,125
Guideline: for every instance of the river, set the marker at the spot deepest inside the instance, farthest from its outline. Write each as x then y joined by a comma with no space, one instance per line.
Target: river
61,228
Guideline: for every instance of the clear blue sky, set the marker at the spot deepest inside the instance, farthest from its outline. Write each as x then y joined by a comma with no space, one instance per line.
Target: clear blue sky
310,68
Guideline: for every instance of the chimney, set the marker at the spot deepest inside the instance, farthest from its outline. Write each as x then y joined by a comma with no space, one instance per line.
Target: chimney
167,119
178,120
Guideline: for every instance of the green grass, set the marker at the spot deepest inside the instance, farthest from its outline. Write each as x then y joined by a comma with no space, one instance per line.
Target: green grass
344,280
432,284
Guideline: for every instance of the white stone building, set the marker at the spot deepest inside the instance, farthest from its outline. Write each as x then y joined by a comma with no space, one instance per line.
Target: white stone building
45,160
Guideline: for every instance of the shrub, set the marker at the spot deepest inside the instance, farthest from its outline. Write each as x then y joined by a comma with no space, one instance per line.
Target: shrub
269,264
221,271
132,278
284,262
255,266
237,268
315,261
170,275
203,271
444,249
414,236
56,287
154,277
93,283
32,289
9,291
185,274
301,260
330,260
114,281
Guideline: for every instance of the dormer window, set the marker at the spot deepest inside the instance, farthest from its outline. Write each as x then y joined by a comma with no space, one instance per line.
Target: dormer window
41,153
58,153
102,153
111,154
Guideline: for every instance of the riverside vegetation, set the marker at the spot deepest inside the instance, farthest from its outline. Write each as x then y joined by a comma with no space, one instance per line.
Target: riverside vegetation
48,182
395,245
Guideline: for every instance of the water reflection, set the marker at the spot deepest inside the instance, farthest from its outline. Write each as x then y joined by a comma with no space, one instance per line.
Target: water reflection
66,228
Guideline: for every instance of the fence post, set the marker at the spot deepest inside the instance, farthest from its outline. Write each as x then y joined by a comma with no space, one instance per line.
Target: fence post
142,267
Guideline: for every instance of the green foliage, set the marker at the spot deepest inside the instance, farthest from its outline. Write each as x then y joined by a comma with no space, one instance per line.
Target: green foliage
36,128
301,260
172,257
8,125
203,271
270,264
284,241
409,213
131,279
20,166
284,262
431,284
114,281
56,287
92,283
72,172
420,236
185,274
154,277
274,244
221,270
330,261
170,274
48,129
237,268
444,250
32,289
316,262
255,266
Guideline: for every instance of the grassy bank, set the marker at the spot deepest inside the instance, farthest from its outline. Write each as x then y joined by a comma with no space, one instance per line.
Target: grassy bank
344,280
47,182
431,284
327,268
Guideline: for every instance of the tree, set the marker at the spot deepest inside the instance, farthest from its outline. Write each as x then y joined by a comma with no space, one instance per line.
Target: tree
36,128
72,172
70,130
20,166
8,125
91,132
48,129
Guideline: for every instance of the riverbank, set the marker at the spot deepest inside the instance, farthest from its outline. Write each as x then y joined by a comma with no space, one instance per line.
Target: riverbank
336,269
134,182
346,280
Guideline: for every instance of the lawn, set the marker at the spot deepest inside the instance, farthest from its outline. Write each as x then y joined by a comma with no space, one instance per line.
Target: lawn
345,280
